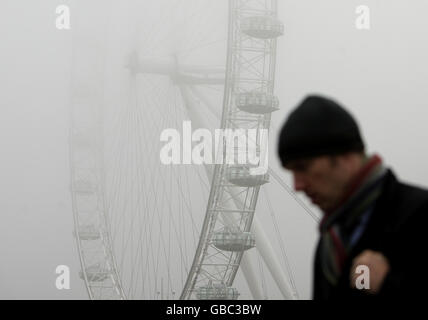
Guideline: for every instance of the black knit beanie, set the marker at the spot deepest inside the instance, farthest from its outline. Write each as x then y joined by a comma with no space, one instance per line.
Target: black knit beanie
318,126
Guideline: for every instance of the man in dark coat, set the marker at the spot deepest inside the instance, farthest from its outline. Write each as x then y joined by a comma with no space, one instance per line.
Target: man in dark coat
372,234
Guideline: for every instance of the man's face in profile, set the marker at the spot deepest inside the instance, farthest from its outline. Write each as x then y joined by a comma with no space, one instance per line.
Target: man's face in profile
323,179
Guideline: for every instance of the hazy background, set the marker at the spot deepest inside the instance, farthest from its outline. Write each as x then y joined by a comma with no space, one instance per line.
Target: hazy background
380,75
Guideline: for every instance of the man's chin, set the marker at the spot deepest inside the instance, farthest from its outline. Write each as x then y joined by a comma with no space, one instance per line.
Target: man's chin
317,202
321,205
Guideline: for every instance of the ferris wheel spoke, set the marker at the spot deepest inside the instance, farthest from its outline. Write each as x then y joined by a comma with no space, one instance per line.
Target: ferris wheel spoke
197,37
173,220
160,21
187,51
152,228
281,242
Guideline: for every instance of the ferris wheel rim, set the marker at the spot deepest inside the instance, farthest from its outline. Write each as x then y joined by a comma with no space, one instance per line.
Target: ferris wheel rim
210,217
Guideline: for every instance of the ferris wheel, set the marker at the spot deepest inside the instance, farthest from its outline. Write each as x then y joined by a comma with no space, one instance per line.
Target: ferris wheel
145,230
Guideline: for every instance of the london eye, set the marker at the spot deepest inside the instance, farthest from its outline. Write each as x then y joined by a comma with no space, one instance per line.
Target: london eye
145,230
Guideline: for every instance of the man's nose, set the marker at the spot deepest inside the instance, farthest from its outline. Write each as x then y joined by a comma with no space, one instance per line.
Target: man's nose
299,182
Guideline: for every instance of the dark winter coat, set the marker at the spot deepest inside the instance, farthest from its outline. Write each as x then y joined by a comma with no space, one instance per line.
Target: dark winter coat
397,228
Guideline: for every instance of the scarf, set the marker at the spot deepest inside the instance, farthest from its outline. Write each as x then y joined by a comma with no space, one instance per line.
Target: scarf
338,225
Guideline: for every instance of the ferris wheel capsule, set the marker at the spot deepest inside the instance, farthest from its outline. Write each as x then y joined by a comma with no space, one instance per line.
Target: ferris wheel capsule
242,176
257,102
230,240
262,27
84,187
88,232
95,273
216,291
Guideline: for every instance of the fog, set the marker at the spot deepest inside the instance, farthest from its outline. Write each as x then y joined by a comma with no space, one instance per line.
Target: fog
378,74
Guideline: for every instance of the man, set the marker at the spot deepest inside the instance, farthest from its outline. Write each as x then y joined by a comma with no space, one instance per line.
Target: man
372,234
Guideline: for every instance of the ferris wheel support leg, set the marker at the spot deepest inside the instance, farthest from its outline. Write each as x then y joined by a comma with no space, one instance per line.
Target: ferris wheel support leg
268,255
247,267
263,244
246,263
250,276
266,251
192,110
205,100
